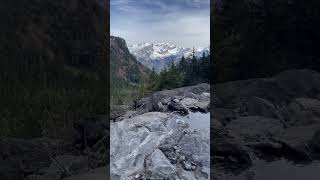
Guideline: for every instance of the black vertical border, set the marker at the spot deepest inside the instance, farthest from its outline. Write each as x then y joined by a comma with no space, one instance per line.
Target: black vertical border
106,57
211,79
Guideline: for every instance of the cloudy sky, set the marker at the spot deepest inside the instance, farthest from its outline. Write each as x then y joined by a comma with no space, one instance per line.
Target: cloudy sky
182,22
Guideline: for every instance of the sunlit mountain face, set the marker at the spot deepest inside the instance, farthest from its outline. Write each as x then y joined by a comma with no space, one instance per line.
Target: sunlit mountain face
160,55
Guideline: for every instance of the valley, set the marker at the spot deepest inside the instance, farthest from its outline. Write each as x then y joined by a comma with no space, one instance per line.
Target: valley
132,79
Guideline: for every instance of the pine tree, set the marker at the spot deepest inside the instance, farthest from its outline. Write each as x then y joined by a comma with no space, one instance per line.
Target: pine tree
183,64
203,55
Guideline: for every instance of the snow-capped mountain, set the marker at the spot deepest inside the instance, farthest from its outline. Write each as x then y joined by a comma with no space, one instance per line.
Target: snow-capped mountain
160,55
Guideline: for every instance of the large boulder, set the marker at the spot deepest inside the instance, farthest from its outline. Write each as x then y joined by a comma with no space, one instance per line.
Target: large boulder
132,140
117,111
303,112
158,145
256,106
159,166
254,129
279,89
315,144
265,118
200,92
96,174
21,156
62,166
224,116
301,141
189,149
229,151
201,105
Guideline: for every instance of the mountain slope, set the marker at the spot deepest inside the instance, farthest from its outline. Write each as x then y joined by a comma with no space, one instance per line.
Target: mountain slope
125,69
160,55
50,65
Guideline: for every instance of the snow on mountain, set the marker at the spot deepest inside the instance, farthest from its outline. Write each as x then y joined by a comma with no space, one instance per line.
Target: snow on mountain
160,55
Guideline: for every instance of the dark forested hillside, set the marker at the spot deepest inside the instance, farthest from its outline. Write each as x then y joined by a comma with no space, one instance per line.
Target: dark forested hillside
52,70
125,69
259,38
127,74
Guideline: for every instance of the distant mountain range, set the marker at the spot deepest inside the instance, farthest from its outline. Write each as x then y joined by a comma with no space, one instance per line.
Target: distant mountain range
160,55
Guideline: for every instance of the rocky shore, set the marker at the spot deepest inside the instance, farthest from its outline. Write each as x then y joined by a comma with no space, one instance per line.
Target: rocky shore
57,159
270,118
154,140
267,119
149,139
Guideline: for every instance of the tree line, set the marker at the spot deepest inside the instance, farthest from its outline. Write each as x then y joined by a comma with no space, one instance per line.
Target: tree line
187,72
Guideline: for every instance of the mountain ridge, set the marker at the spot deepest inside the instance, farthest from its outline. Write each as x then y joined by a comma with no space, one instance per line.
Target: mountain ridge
160,55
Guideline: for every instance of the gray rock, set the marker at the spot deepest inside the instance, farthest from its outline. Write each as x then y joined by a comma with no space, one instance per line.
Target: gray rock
257,106
187,166
255,128
195,104
154,145
278,89
95,174
195,146
216,124
303,111
195,92
277,115
41,177
177,107
187,175
193,95
159,166
134,139
22,156
72,164
224,116
227,145
301,140
118,111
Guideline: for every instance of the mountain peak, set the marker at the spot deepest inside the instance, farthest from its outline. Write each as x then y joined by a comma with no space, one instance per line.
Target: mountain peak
159,55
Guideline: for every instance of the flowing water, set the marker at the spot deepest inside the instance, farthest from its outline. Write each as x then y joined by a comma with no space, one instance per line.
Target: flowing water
280,170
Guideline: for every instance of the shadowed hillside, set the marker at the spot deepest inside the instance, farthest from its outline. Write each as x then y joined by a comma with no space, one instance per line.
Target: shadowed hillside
261,38
51,65
127,74
125,69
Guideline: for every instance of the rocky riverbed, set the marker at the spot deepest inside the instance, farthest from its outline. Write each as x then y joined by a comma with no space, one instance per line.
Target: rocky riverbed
153,138
264,123
165,136
255,124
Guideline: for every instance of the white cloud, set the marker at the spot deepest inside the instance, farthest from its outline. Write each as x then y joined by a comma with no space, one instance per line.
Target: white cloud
184,27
